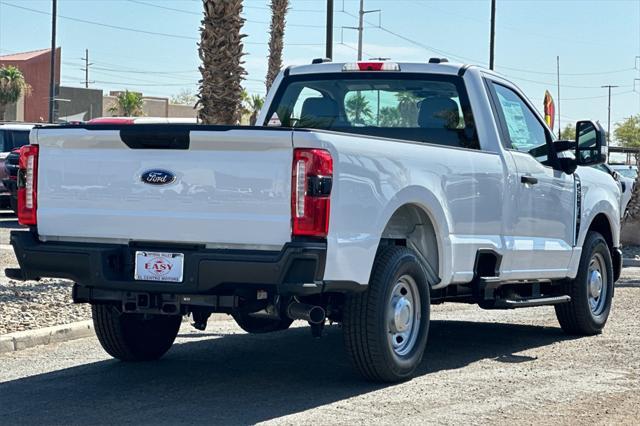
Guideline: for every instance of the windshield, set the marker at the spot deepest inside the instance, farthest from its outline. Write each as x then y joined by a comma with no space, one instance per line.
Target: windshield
420,107
630,173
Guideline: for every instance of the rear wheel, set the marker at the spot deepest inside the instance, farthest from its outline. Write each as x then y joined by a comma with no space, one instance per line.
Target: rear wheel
386,327
591,291
134,337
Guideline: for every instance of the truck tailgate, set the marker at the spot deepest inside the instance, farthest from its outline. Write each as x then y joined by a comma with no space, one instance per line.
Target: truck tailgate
232,185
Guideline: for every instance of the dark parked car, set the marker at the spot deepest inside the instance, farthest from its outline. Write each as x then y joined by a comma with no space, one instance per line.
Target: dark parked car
10,182
12,136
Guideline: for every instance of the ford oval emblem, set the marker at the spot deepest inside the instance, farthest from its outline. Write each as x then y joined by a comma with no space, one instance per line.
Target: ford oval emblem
158,177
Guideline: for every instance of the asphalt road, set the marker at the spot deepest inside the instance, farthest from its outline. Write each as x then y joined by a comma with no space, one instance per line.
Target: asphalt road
496,367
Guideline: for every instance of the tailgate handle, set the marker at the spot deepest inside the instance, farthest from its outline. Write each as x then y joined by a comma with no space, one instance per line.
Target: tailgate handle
161,139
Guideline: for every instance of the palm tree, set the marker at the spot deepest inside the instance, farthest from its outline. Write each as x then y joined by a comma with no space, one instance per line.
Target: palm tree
255,105
408,108
128,104
220,51
358,109
12,86
390,117
278,14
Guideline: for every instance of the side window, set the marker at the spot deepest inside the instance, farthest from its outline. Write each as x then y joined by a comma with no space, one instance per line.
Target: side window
20,139
525,132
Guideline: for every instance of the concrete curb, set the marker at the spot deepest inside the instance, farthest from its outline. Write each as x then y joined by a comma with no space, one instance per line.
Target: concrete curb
628,262
60,333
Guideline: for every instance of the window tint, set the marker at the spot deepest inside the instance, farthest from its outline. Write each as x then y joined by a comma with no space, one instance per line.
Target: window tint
424,108
525,131
20,138
3,142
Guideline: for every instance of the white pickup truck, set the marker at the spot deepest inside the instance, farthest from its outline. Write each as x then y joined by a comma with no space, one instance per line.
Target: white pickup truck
369,192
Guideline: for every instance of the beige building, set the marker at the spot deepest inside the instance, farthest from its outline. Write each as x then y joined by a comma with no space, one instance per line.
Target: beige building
152,107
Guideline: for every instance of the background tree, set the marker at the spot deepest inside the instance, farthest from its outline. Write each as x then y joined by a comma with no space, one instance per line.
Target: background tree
12,86
408,108
276,40
627,133
128,104
220,51
390,117
255,104
568,133
358,109
184,97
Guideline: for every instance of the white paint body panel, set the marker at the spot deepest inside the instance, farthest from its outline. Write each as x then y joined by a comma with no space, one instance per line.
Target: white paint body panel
233,189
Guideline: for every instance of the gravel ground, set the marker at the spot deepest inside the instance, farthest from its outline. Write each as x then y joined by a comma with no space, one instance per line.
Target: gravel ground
30,305
481,367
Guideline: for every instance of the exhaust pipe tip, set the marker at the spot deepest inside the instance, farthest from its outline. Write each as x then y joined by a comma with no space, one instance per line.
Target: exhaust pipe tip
303,311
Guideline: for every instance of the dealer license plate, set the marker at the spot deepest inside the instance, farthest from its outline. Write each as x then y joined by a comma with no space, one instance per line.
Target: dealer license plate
157,266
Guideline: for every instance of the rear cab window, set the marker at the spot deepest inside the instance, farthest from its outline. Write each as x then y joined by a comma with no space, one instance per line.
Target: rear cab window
430,108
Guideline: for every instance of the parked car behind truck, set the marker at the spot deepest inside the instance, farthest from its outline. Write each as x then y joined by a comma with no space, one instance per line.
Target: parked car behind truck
12,136
451,188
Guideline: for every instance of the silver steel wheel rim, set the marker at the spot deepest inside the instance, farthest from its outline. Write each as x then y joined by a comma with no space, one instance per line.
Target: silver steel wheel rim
403,315
597,284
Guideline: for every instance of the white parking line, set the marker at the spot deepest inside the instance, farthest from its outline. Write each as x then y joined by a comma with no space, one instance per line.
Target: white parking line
6,247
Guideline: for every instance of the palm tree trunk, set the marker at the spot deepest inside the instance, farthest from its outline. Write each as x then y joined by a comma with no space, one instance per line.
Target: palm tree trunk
221,54
3,108
276,41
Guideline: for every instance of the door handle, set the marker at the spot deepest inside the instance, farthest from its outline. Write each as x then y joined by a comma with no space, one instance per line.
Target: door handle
528,179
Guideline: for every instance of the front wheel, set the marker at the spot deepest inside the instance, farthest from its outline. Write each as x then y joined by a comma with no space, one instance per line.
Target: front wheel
134,337
591,291
386,327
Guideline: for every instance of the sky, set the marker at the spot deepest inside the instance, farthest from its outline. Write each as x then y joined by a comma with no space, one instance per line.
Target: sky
151,45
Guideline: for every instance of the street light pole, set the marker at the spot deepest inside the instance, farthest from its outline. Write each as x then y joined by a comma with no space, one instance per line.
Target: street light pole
609,87
329,40
52,68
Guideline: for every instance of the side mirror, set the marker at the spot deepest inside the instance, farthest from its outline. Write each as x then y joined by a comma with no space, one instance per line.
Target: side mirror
591,143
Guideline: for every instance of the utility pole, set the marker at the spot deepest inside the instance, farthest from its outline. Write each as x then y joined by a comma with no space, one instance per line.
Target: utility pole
329,41
609,87
492,40
52,68
86,68
360,27
558,76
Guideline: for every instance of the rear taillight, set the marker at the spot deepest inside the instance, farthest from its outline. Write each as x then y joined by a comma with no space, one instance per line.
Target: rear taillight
310,192
28,185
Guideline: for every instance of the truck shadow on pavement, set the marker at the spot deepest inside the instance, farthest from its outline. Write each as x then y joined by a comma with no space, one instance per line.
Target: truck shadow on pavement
242,379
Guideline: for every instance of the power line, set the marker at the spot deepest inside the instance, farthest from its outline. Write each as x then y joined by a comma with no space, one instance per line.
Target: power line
189,12
136,30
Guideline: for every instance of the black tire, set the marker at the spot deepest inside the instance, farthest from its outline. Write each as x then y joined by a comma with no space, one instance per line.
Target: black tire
134,337
578,317
365,324
254,325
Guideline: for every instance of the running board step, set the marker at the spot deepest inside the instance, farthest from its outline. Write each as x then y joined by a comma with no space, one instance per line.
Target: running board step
531,302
